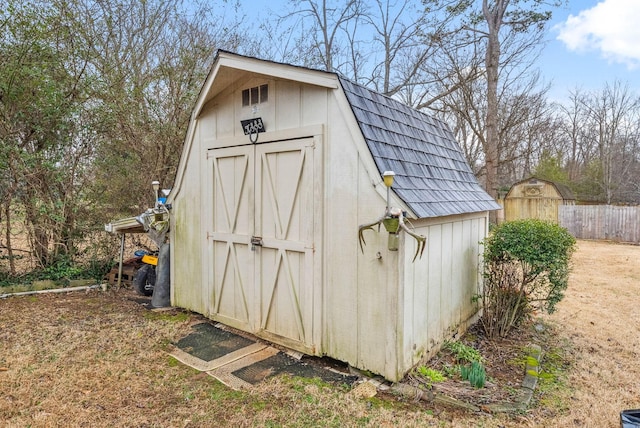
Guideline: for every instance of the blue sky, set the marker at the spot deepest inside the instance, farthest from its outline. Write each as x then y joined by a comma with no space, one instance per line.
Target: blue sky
592,43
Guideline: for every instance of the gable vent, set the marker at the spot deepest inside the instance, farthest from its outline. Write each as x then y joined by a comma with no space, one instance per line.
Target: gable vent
255,95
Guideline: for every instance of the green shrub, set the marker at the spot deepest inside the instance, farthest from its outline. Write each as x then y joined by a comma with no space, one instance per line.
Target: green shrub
526,268
60,271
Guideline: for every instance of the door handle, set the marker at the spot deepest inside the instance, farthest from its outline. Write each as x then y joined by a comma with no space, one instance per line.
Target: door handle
256,241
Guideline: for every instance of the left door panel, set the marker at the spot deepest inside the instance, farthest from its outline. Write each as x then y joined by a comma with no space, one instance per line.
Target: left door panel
230,289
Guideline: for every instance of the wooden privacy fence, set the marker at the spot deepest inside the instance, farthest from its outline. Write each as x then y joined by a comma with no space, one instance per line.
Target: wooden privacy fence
620,224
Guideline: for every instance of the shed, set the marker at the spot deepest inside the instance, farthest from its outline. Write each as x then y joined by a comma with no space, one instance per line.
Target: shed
536,198
264,226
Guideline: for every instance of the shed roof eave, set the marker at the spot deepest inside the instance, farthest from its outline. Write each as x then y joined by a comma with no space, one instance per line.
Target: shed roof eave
485,209
278,70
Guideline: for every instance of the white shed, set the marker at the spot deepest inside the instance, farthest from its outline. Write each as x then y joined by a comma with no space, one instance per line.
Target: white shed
264,227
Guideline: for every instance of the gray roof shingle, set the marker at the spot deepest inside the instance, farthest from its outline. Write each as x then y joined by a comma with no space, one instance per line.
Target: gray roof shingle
432,175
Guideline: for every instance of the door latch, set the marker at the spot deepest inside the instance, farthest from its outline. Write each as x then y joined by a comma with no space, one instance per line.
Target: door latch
256,241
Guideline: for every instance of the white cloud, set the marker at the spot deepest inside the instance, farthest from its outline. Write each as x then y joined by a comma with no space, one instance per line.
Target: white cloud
611,27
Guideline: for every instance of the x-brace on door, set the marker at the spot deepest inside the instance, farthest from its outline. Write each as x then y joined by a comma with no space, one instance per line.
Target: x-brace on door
261,242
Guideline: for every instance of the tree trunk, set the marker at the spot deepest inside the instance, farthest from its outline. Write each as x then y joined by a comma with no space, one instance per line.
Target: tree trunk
7,220
39,236
494,18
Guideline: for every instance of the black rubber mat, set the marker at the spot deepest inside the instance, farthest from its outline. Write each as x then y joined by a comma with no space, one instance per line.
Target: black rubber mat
208,342
282,363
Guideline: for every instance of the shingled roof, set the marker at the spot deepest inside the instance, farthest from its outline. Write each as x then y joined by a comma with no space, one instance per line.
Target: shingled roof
432,174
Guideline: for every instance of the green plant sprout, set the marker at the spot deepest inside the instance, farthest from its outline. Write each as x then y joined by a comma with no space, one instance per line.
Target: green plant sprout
432,376
475,374
462,352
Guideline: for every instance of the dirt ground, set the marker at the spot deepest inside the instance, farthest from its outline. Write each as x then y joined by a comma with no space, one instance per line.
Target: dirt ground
100,359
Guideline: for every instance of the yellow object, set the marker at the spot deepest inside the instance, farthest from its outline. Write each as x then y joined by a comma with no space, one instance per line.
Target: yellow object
150,260
387,176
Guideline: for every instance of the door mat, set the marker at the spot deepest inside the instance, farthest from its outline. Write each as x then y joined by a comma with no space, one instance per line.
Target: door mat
239,362
282,363
208,342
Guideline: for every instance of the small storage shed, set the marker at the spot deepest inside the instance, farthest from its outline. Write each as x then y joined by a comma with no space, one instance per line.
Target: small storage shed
280,166
536,198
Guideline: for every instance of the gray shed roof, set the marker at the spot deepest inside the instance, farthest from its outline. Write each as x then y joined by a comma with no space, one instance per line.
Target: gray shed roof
432,174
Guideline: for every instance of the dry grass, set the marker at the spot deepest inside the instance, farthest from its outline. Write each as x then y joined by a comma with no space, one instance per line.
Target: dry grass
98,359
600,317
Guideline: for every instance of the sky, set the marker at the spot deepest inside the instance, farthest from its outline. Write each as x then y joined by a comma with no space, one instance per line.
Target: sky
593,43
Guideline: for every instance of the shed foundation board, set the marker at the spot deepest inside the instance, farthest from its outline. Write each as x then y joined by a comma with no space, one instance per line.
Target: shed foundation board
205,366
225,374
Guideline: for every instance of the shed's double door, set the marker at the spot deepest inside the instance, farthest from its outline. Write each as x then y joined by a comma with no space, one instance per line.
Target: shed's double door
261,240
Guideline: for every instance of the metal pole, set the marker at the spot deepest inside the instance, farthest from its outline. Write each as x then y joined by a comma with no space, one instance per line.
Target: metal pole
120,262
388,199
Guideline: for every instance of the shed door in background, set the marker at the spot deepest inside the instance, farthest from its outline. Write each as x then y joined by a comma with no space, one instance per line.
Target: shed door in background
264,194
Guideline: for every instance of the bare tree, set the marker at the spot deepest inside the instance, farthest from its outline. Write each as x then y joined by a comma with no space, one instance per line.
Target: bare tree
387,46
408,39
503,39
148,61
613,120
325,22
521,17
398,30
599,141
526,128
578,149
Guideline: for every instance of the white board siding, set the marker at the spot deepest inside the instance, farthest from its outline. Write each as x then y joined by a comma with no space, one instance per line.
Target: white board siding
439,291
313,107
225,117
376,289
360,289
397,311
186,267
434,321
288,113
186,270
344,187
